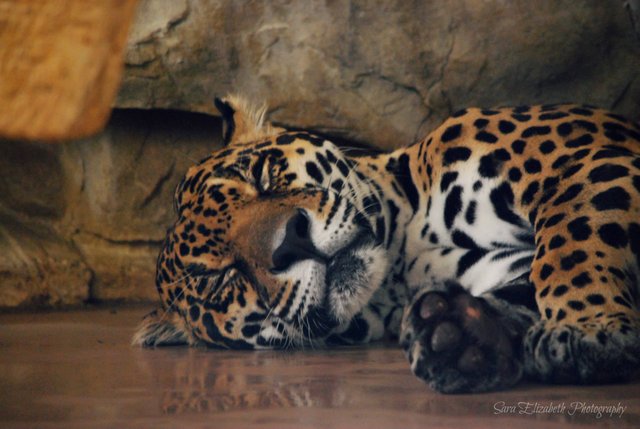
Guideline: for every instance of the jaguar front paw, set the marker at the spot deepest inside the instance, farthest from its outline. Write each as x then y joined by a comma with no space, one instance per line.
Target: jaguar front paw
456,343
598,351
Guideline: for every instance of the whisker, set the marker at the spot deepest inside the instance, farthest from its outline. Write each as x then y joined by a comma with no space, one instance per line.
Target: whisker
170,306
184,155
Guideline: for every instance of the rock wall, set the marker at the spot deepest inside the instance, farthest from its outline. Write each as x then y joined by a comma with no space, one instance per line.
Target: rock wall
385,71
83,221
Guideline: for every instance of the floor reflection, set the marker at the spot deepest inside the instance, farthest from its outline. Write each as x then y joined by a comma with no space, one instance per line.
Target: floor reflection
205,381
77,370
220,381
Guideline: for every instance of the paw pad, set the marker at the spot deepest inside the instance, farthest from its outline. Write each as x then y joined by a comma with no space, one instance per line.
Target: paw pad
457,343
472,360
445,337
433,305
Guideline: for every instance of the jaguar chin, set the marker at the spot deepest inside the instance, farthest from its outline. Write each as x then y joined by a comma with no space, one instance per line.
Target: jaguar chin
504,244
353,274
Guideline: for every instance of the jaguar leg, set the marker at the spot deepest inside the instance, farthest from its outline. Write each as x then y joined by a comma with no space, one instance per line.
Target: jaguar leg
586,279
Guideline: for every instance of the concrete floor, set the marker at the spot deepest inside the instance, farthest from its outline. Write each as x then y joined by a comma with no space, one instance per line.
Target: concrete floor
77,370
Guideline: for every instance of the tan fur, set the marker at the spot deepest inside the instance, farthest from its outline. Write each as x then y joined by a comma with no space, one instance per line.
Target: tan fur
249,118
165,327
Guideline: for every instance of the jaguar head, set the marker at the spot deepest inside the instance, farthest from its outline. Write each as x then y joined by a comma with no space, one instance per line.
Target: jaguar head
271,248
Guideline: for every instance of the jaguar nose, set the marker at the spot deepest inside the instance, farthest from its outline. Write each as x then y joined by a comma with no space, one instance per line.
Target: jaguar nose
297,244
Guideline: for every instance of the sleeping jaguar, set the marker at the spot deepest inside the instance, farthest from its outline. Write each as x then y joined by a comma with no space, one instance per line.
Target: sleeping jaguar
505,244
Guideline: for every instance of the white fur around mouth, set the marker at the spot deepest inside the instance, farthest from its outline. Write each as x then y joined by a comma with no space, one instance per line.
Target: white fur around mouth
353,275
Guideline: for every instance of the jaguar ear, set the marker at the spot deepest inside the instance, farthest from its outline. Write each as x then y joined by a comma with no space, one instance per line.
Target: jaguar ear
242,121
228,124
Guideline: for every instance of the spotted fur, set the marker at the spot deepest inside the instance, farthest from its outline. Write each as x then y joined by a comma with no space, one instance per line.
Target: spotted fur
505,243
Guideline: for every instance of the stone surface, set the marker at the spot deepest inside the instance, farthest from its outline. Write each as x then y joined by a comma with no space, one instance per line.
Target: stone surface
61,66
382,72
84,221
39,268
